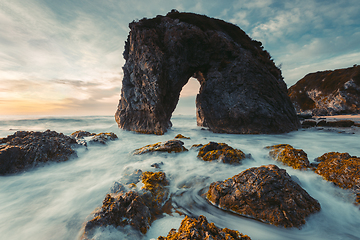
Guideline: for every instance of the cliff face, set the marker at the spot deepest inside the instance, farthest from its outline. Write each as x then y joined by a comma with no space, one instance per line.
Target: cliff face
328,93
242,91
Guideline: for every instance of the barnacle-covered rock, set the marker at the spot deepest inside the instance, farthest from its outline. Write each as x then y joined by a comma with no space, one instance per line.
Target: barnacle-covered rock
25,149
266,193
285,153
200,228
342,169
220,152
168,146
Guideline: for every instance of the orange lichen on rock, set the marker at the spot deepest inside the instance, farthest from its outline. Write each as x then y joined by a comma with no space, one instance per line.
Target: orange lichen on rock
168,146
221,152
181,136
266,193
192,228
155,189
340,168
285,153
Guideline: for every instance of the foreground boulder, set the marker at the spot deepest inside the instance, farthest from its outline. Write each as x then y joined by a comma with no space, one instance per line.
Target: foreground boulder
342,169
220,152
168,146
285,153
328,92
198,229
242,91
266,193
126,206
25,149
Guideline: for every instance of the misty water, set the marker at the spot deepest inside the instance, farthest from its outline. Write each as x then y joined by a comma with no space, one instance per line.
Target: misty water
53,201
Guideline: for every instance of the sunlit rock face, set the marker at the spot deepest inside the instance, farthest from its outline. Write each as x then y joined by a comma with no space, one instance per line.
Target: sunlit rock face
328,93
241,89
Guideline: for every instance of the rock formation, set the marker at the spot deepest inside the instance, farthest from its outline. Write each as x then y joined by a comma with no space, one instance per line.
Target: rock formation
328,92
126,206
25,149
93,137
342,169
220,152
168,146
241,89
266,193
198,229
285,153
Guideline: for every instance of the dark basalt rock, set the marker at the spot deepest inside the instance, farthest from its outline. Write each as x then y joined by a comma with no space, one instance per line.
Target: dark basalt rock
342,169
168,146
198,229
266,193
285,153
25,149
242,91
340,123
127,206
220,152
328,92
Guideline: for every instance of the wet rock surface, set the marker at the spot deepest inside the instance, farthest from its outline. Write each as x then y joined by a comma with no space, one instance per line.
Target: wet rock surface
83,137
168,146
285,153
199,228
266,193
181,136
328,92
26,149
128,206
221,152
342,169
242,91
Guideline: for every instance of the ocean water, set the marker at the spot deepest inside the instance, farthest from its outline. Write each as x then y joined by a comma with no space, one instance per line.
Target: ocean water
53,201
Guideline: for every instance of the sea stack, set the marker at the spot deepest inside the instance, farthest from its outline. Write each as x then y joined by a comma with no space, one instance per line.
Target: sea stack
241,89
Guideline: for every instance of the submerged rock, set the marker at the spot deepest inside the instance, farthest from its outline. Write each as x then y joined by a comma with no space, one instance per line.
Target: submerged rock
181,136
266,193
242,91
25,149
127,206
285,153
93,137
328,92
168,146
192,228
341,169
220,152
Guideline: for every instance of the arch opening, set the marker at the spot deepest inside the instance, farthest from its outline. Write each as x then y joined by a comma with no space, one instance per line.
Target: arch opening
187,101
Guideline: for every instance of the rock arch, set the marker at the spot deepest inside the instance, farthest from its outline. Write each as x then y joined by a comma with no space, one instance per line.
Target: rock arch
241,89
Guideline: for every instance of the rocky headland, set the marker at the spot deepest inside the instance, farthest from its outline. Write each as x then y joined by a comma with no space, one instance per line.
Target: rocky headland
241,89
328,92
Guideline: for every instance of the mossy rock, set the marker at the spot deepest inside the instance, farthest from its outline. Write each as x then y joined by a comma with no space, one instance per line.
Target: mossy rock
285,153
220,152
340,168
168,146
200,228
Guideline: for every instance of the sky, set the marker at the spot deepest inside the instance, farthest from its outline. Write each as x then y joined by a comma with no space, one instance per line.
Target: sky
65,57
